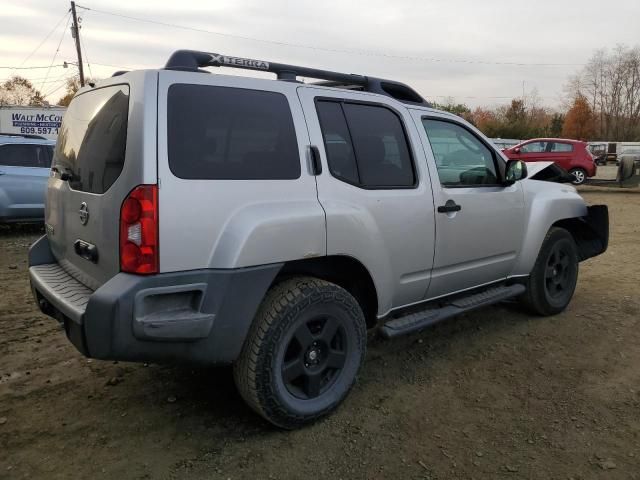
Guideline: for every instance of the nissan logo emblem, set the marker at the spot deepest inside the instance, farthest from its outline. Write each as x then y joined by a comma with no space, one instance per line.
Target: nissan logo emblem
84,213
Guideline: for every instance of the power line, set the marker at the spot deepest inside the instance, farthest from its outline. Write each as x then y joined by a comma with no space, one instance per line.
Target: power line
55,54
31,68
62,84
86,55
45,39
326,49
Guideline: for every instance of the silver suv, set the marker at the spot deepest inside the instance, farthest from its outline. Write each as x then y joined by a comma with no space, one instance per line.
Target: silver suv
268,224
24,169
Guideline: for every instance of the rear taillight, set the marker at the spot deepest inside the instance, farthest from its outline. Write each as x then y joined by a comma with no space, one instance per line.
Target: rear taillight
139,231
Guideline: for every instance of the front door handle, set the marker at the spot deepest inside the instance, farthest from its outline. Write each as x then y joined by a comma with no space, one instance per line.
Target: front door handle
449,207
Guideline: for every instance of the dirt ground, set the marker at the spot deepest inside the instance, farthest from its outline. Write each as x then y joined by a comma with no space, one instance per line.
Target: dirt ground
493,394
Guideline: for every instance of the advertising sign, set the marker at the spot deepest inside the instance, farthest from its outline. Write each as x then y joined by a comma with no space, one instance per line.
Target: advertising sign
31,120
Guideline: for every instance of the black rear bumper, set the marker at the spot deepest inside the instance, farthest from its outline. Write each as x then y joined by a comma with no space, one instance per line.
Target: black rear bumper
199,316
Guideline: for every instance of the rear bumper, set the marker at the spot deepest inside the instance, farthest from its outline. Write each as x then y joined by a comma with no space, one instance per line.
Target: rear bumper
199,316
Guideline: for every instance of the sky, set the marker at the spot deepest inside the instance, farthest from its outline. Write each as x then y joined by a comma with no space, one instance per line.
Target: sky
482,53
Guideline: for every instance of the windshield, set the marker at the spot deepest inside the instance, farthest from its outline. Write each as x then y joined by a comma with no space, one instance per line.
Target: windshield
92,140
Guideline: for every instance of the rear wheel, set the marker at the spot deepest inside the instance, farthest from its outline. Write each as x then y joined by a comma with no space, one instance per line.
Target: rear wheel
303,352
554,276
579,175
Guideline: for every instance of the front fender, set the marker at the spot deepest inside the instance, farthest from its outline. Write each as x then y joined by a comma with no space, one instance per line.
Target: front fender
545,204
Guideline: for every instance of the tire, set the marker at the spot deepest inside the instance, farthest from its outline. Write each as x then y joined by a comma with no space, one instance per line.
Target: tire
553,280
579,175
303,352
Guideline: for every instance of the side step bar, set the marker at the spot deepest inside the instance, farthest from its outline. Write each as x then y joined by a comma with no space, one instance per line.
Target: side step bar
415,322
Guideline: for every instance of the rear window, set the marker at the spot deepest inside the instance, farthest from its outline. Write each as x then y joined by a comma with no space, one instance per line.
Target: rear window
221,133
365,144
92,139
25,155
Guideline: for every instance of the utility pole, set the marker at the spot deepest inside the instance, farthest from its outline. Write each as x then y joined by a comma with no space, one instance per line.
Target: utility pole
75,33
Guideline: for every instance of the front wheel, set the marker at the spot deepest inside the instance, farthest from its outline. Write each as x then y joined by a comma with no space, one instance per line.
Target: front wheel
579,175
554,276
303,352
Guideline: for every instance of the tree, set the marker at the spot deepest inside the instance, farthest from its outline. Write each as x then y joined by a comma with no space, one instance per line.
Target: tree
73,85
459,109
579,122
20,91
611,84
555,127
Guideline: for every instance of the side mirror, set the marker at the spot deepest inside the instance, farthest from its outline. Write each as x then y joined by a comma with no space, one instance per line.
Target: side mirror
515,170
516,150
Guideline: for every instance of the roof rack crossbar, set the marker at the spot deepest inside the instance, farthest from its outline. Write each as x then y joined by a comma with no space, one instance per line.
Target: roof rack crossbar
191,60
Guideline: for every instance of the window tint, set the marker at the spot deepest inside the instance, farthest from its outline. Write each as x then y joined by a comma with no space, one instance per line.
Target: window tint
17,155
337,142
561,147
366,145
533,147
92,140
461,158
230,133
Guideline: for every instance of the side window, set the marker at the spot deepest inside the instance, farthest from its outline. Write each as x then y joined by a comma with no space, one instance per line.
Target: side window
337,142
534,147
366,145
561,147
23,156
219,133
461,158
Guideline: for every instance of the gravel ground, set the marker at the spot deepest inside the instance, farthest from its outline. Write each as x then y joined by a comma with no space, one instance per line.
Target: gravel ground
493,394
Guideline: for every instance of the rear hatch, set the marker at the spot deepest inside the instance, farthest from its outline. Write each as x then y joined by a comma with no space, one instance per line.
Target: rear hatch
101,154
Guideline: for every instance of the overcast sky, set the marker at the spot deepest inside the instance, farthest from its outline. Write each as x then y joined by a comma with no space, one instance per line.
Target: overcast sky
443,48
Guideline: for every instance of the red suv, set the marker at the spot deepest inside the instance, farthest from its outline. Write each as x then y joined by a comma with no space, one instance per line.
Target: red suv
572,155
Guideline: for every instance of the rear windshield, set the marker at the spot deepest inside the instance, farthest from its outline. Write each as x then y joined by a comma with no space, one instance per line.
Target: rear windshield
25,155
231,134
92,139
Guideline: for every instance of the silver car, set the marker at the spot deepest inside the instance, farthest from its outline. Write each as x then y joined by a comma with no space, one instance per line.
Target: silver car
268,224
25,161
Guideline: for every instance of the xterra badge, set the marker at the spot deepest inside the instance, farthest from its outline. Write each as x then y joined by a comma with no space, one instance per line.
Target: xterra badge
240,62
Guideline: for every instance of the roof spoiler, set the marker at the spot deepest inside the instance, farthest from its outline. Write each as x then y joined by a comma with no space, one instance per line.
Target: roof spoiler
193,61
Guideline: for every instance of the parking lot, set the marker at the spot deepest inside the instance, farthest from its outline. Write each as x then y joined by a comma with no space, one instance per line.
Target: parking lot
494,394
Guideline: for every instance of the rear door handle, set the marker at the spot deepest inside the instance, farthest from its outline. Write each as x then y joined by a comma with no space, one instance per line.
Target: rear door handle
449,207
2,173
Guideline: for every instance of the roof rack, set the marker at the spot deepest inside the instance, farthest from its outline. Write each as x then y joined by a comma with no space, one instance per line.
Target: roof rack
24,135
193,61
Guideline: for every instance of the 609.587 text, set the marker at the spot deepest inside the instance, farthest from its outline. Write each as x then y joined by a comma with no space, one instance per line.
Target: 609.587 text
39,130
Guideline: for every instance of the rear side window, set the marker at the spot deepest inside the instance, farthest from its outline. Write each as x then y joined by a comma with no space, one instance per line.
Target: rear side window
366,145
25,155
534,147
221,133
561,147
92,140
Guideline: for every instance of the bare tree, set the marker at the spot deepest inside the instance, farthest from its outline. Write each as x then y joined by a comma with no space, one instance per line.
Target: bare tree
20,91
611,84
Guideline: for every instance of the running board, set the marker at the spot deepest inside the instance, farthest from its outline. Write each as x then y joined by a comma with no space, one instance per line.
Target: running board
418,321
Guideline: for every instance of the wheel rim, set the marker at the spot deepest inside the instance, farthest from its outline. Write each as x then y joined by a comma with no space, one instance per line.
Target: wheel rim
314,357
558,272
579,176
